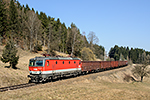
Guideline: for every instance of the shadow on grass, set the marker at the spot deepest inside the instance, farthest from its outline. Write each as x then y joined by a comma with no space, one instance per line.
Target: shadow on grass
128,78
12,67
7,67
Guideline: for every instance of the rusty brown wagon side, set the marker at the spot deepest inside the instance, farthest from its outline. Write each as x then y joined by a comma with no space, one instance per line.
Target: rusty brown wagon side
88,66
123,63
120,63
116,64
112,63
105,64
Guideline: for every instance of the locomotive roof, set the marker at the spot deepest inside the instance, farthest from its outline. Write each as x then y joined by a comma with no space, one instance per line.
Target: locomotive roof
54,58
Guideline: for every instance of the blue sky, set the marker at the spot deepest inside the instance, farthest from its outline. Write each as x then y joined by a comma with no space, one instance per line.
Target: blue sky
115,22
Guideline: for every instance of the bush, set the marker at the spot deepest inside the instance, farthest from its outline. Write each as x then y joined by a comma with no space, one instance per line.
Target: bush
87,54
38,47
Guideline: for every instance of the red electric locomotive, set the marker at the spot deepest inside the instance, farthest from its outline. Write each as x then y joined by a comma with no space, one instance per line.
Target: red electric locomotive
44,68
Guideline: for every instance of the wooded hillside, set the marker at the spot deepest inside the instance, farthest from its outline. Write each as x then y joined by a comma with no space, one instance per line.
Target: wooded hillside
31,30
124,53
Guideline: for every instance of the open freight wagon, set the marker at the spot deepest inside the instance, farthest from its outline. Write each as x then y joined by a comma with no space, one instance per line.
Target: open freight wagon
89,66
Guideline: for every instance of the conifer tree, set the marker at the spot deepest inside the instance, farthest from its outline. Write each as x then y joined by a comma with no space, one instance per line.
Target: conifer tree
13,19
27,7
3,20
9,55
99,51
44,22
63,36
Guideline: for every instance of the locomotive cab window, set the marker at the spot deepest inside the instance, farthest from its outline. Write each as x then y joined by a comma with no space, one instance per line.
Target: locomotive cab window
56,62
69,62
74,62
39,63
63,62
47,63
31,63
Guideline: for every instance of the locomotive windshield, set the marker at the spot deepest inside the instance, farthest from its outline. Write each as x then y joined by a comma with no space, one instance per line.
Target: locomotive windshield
39,63
36,63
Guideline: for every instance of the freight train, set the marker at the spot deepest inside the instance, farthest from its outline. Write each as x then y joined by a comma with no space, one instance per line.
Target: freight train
46,68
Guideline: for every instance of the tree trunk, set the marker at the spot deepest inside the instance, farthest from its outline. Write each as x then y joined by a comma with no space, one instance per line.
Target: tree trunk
49,43
36,39
31,42
73,43
63,45
141,78
10,64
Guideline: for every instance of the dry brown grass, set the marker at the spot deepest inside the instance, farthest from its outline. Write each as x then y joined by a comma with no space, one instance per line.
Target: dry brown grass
98,86
89,87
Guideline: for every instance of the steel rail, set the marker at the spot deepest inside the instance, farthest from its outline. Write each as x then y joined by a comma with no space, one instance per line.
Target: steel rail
14,87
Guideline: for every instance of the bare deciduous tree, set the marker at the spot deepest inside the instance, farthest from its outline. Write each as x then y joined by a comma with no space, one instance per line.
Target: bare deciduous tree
93,39
74,31
37,28
33,24
142,70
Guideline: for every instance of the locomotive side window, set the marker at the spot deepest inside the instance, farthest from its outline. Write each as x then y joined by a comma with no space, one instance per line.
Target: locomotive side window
56,62
79,62
74,62
63,62
69,62
39,63
47,63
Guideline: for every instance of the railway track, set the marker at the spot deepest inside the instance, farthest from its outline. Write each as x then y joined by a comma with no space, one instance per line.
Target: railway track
14,87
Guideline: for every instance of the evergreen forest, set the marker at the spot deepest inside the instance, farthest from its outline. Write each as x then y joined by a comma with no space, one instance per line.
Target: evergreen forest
124,53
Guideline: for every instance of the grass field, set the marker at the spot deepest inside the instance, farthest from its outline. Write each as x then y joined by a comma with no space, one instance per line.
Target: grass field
98,86
108,85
